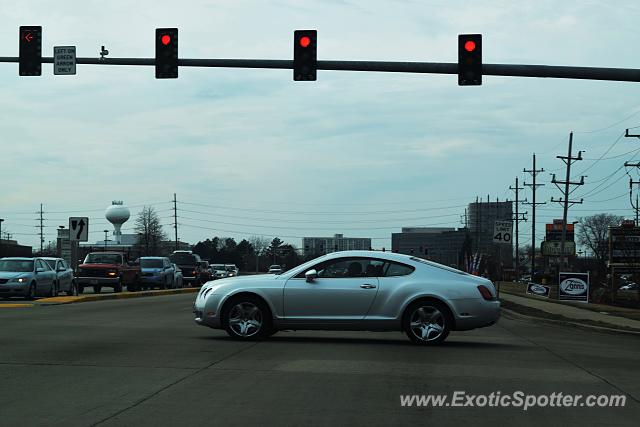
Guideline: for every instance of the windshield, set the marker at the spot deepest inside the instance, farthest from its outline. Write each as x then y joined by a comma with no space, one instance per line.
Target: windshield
218,267
51,262
16,265
274,267
103,259
230,268
184,259
150,263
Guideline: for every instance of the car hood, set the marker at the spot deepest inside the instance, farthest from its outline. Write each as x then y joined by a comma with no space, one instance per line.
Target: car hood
98,266
237,280
13,274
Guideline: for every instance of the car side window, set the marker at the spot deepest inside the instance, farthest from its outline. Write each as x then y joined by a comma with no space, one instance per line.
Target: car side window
348,267
394,269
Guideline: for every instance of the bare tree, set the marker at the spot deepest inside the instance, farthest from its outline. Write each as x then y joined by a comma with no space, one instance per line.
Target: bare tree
259,244
593,232
149,229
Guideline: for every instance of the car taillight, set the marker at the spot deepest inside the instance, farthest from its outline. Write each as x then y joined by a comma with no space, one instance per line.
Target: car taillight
486,293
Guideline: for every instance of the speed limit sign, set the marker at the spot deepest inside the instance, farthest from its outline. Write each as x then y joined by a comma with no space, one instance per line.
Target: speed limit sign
502,232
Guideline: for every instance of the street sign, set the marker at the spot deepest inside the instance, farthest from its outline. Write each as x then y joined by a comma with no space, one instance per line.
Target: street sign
552,248
64,60
79,229
573,286
503,232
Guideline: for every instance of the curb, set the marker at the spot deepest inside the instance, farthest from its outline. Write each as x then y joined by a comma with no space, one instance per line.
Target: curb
121,295
567,322
17,305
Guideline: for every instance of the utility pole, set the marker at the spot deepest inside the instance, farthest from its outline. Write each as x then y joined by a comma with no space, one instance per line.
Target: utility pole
635,207
534,172
517,220
175,218
568,160
41,230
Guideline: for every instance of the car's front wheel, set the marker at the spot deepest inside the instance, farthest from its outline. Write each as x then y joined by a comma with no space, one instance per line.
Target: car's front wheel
427,322
53,291
247,318
31,293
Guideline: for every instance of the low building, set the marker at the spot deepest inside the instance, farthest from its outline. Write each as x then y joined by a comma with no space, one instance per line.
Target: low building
316,246
11,248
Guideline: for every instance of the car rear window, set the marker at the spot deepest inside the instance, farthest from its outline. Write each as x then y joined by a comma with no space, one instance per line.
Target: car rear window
184,259
151,263
440,266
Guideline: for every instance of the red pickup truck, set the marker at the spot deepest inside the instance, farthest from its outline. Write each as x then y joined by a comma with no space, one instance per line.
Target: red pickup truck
110,269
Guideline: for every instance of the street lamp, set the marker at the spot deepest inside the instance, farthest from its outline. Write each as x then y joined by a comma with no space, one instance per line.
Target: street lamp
105,239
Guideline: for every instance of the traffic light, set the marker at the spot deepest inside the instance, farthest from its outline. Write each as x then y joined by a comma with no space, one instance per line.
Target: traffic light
30,51
305,54
469,59
166,53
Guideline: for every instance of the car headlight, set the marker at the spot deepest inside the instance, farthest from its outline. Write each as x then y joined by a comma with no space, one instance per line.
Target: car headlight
19,279
112,273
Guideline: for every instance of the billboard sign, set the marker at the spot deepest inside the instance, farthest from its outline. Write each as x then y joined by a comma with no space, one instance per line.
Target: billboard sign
538,290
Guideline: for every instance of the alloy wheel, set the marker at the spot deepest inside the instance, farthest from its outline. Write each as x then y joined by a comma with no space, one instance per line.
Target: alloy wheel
427,323
245,319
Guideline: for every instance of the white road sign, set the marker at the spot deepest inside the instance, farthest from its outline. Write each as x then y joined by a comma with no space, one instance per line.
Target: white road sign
64,60
502,232
79,228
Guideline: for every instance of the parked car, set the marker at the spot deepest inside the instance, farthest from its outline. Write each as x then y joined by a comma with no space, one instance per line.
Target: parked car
232,270
275,269
65,281
26,277
111,269
189,263
628,292
219,271
178,276
156,272
352,290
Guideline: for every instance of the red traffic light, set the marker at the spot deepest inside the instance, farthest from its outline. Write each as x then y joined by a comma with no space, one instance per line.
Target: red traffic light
470,46
166,39
305,41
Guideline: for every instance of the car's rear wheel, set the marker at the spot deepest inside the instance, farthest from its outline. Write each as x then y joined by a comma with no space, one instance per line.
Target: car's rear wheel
53,290
247,317
427,322
97,289
80,289
72,289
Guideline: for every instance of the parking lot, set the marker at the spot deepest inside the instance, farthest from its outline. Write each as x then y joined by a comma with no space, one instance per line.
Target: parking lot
143,361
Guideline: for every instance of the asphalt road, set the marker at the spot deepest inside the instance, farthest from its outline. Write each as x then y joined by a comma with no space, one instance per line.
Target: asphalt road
144,362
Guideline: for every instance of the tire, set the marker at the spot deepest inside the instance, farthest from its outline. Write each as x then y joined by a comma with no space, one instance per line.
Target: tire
118,287
247,318
72,289
31,295
97,289
53,291
79,289
163,284
427,322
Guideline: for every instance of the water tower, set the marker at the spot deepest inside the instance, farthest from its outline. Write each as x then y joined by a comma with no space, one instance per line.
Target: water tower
117,214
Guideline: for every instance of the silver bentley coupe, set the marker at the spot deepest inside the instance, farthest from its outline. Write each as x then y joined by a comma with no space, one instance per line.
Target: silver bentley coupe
351,291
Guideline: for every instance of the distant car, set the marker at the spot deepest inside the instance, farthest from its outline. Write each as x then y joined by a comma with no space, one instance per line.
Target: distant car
205,271
232,270
219,271
189,263
65,281
380,291
178,276
26,277
275,269
628,292
156,272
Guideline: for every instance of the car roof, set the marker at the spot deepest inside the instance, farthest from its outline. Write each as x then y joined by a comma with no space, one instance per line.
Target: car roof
50,258
14,258
152,257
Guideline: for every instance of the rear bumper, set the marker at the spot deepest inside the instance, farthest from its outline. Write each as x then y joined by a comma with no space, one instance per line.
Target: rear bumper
475,313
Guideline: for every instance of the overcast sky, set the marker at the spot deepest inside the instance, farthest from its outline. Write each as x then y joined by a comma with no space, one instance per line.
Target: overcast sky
251,152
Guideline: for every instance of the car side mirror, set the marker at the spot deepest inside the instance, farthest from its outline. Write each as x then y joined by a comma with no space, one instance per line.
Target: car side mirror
311,275
61,269
39,270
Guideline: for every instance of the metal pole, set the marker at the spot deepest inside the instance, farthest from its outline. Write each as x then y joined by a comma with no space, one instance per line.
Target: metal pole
175,218
533,223
517,242
563,258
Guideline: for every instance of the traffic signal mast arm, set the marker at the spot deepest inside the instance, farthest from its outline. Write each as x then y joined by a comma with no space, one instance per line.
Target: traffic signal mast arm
514,70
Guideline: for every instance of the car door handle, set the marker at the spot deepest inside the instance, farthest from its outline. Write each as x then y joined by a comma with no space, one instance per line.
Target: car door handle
367,286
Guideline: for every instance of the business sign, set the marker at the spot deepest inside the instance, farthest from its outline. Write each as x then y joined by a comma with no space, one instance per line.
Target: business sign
539,290
553,232
503,232
553,248
79,229
573,286
624,244
64,60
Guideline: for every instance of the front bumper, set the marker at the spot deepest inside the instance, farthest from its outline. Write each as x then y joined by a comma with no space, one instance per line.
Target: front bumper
97,281
14,289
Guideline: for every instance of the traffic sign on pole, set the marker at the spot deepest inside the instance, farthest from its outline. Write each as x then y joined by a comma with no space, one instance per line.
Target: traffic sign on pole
64,60
79,229
503,232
